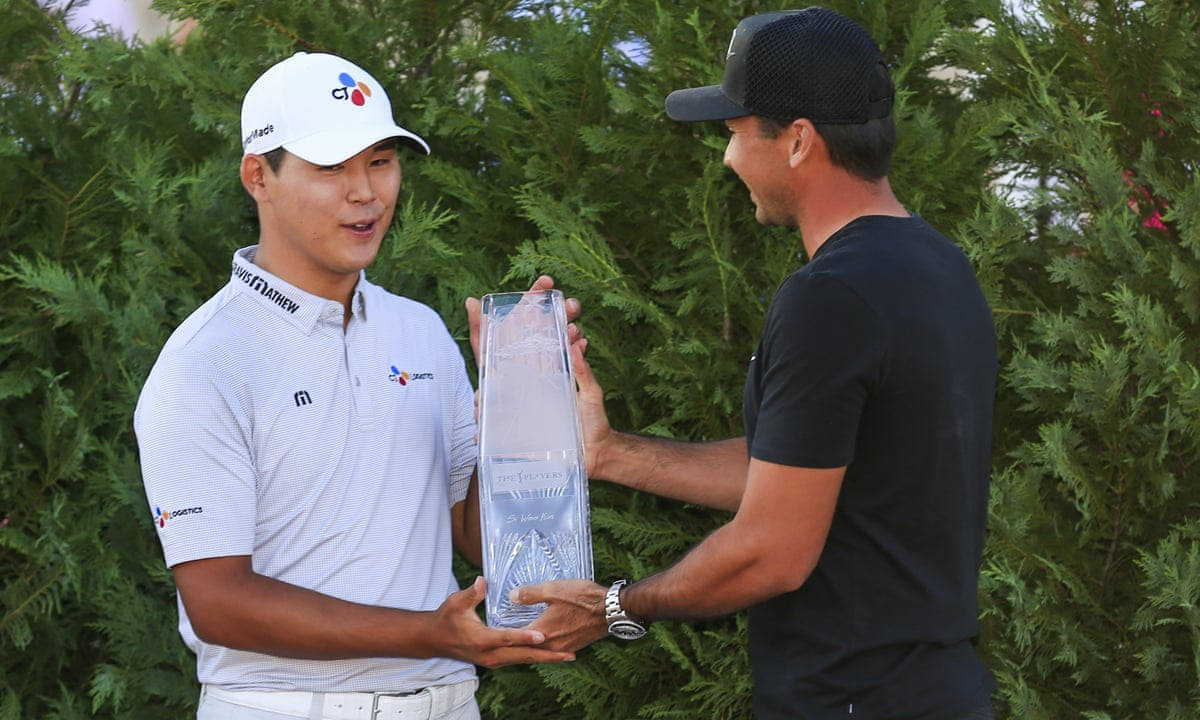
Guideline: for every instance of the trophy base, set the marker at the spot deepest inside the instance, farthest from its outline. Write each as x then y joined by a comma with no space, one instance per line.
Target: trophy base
536,534
533,559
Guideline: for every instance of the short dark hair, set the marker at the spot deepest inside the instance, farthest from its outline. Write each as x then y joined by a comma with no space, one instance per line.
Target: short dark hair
864,149
275,158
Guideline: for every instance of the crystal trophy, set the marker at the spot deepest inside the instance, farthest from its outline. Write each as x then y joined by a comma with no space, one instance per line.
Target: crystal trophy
533,492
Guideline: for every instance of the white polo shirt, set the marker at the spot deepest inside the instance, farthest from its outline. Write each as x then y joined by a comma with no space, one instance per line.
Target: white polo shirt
331,458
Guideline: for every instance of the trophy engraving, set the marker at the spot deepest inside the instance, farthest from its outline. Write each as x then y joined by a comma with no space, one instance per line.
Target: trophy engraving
532,483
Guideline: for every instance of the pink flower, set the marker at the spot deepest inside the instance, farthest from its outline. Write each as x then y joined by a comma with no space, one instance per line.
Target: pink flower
1140,194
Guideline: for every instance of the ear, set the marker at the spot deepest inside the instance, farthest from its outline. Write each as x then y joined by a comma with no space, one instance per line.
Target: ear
805,142
253,173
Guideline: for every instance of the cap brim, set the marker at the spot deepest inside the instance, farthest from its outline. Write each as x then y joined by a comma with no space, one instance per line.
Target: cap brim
336,146
702,103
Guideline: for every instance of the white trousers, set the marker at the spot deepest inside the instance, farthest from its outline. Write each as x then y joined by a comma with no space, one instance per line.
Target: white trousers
442,702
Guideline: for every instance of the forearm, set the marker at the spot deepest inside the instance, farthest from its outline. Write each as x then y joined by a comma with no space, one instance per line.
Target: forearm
770,547
721,575
231,605
260,614
712,474
731,569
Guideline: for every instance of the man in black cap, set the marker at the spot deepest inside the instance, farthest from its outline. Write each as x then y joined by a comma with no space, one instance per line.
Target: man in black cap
860,511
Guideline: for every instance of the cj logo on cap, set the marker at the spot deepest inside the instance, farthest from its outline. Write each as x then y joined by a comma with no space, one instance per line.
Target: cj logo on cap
355,92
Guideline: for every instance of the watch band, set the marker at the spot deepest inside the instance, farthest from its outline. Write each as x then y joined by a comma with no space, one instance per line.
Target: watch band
619,624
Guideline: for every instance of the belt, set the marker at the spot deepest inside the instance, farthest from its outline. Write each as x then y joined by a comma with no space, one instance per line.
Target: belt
430,702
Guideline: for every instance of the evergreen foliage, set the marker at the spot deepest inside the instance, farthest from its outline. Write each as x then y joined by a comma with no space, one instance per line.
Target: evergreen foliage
552,153
1090,578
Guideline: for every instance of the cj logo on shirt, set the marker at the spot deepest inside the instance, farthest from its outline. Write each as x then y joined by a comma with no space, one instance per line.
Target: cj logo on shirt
404,378
161,518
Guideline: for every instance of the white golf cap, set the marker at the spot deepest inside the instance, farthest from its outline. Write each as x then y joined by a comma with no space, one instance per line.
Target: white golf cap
321,108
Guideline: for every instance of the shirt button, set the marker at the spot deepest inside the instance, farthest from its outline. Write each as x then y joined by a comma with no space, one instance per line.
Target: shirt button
357,381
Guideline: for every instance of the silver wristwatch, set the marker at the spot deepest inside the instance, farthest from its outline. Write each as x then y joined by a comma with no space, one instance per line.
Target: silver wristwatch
619,624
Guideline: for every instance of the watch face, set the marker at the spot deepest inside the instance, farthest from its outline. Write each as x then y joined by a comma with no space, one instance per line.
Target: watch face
626,629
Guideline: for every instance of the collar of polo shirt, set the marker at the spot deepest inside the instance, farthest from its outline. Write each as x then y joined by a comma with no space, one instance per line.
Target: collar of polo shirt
302,309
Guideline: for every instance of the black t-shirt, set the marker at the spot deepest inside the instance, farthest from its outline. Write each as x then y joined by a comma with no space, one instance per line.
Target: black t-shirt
879,354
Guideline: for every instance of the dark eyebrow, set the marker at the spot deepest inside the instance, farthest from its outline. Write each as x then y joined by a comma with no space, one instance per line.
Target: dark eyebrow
389,144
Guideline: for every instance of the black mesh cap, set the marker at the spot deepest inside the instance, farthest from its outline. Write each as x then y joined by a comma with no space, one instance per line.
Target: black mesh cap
811,63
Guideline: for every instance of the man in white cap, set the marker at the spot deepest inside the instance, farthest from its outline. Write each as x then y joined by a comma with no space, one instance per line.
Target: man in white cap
307,440
860,488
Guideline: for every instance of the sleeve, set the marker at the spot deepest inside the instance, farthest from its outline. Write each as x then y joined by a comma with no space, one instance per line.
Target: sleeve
196,464
462,429
822,352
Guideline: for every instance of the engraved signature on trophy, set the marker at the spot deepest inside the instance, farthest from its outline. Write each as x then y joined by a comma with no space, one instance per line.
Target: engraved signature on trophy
529,517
